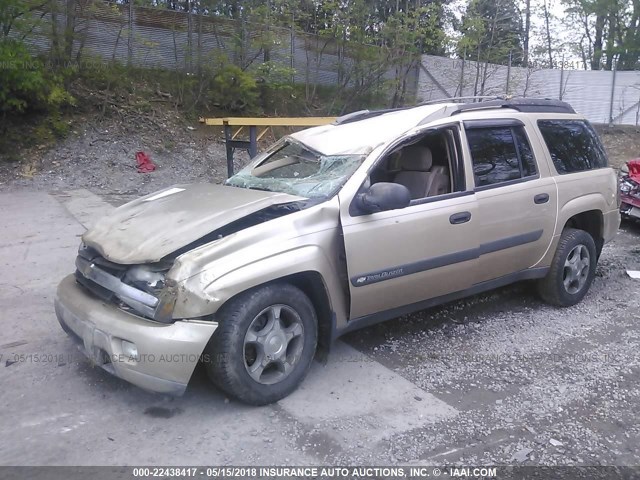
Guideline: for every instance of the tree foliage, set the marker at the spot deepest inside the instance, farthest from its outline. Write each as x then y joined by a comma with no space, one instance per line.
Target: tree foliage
491,32
606,31
27,82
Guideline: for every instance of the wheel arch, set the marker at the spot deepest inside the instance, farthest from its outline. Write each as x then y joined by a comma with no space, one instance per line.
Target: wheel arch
313,285
592,222
308,267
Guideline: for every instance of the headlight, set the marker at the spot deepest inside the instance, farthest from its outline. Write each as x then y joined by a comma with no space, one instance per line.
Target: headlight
626,187
145,277
151,279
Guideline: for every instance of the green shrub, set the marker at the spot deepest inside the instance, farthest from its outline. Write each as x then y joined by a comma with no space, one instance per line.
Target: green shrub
96,74
26,84
277,91
234,89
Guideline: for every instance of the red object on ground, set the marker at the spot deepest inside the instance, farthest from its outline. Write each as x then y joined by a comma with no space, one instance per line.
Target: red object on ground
145,165
634,170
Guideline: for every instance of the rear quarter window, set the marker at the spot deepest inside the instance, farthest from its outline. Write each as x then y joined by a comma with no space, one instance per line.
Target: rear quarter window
573,145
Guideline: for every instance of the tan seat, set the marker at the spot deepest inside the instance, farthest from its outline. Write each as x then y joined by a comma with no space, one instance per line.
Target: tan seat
415,162
419,176
439,182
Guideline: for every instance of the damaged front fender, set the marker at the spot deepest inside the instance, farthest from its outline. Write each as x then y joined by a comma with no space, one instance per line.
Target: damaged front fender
213,273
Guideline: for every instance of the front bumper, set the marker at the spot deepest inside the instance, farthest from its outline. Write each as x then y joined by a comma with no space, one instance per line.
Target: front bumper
167,354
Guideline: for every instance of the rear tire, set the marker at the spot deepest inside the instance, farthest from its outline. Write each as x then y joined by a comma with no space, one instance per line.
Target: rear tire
572,269
264,344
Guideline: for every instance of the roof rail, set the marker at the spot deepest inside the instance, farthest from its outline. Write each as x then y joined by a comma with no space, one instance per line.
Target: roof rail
479,98
537,105
350,116
361,115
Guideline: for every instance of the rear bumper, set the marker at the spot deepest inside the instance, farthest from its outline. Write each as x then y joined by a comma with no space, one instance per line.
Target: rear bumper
167,354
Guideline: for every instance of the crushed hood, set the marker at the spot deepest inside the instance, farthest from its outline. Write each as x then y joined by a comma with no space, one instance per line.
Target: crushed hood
151,227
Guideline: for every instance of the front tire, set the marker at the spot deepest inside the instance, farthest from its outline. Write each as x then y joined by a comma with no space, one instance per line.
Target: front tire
264,345
572,269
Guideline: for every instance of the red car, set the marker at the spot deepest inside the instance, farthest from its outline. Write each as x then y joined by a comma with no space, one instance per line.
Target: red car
630,191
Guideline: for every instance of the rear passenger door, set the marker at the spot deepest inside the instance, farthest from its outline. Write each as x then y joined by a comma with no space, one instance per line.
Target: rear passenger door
517,197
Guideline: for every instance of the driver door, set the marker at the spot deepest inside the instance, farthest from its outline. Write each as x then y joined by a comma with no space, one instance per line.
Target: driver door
400,258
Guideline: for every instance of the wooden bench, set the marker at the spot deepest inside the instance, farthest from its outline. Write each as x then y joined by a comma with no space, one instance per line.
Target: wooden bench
253,124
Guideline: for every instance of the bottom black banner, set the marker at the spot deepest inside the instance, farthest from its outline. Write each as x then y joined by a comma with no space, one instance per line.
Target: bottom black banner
321,472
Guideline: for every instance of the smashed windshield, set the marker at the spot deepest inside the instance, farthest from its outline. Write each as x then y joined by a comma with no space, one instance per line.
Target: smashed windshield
297,170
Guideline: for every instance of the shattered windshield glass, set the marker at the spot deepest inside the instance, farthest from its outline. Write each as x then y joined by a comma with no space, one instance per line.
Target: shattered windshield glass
297,170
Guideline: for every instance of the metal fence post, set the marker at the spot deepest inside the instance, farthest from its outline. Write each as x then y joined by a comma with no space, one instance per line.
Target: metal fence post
561,79
189,55
130,36
464,57
613,90
199,45
508,75
293,49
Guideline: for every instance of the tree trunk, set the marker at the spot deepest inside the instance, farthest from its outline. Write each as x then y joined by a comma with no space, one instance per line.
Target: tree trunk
527,28
611,20
548,31
630,41
597,43
69,30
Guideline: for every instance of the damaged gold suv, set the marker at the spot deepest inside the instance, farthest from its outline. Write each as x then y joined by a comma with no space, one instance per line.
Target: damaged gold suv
335,228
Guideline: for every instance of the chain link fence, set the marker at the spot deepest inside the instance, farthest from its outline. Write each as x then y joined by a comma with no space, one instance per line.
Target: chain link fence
159,38
167,39
608,97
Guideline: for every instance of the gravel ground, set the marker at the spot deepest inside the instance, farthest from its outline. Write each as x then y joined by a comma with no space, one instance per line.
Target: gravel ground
533,384
101,157
621,141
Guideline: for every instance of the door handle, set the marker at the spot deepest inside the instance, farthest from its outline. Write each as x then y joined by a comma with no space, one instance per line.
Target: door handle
541,198
460,217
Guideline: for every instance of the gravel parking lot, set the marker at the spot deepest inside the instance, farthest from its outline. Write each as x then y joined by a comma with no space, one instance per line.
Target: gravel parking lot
499,378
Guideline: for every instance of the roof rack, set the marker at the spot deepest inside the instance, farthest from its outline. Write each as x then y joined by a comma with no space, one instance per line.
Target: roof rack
479,98
537,105
361,115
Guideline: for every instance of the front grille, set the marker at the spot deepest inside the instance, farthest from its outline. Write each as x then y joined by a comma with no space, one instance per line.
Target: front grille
92,255
106,280
99,291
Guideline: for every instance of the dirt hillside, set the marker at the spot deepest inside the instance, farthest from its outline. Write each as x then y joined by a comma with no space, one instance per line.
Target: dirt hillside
99,154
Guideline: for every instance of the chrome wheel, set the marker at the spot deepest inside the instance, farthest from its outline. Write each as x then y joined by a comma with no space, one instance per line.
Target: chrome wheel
273,344
576,269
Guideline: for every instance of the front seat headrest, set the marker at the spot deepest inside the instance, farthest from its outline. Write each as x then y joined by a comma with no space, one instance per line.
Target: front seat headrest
416,158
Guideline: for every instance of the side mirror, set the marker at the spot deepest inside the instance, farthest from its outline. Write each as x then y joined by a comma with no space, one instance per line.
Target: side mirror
384,196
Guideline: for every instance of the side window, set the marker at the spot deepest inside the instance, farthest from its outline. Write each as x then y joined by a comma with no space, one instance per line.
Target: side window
526,154
500,154
573,145
428,164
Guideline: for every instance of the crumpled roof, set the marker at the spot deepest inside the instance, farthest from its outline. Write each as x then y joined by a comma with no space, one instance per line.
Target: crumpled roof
360,137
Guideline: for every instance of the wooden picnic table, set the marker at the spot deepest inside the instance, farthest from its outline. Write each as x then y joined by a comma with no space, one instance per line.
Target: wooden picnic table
253,124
